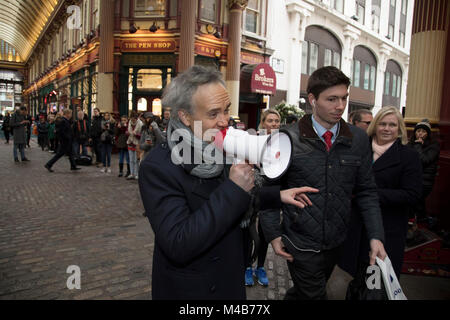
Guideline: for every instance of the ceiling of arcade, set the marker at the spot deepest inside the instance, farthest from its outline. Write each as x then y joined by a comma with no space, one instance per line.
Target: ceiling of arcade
22,22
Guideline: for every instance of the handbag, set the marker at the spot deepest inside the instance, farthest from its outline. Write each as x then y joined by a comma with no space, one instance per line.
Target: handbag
393,288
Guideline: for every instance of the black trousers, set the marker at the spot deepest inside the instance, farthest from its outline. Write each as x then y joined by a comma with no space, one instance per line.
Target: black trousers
63,149
310,272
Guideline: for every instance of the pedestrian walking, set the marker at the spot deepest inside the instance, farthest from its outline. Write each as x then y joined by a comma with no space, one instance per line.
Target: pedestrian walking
334,158
65,135
42,128
18,124
81,134
51,133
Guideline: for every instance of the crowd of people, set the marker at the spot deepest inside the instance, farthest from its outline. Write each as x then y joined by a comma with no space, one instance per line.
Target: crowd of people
85,139
345,199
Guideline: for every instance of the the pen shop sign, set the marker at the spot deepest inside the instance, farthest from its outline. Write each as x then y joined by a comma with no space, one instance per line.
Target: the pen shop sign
159,45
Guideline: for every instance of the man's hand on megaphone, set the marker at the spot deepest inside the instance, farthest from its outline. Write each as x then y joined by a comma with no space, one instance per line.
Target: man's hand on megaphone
297,196
243,175
278,247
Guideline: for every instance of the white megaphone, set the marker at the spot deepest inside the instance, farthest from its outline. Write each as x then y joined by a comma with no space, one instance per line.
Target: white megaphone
271,153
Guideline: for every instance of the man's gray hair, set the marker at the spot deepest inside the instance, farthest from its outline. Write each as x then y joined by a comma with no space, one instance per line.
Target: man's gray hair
178,94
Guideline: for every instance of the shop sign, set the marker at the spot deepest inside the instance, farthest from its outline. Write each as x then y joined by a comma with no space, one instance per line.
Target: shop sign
149,45
263,79
148,59
250,58
207,51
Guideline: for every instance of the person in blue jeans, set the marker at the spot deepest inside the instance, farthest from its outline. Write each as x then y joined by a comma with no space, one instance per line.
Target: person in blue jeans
107,141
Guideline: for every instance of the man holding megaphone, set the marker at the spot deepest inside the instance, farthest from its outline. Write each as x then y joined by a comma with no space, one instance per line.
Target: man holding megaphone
194,200
335,158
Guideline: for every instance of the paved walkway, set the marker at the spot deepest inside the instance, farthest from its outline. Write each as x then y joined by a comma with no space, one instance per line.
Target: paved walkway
93,220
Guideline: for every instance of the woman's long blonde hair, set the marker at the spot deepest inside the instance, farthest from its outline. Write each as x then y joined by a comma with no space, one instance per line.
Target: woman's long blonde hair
402,133
265,114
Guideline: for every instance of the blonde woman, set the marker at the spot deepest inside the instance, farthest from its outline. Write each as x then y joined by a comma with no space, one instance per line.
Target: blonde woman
270,119
398,175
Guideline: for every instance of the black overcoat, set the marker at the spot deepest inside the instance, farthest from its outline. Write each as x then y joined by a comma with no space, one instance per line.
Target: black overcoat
398,175
198,251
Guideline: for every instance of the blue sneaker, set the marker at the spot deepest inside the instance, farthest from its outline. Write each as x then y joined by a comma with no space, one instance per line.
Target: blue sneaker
249,277
260,273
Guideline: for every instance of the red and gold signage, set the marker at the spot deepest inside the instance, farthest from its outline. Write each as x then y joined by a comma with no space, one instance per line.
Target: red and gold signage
263,80
158,45
207,51
251,58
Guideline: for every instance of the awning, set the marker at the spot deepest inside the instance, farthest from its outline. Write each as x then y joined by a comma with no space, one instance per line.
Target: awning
258,78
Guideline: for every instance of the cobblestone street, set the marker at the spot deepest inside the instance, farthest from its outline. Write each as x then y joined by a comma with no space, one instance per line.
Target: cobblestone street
49,221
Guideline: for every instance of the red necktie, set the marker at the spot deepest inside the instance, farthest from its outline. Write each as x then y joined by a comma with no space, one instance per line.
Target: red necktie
327,136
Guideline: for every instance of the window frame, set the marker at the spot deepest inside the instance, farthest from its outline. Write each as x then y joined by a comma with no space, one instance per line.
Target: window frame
258,19
216,13
150,16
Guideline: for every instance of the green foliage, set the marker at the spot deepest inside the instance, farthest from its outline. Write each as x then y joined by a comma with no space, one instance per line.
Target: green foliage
286,110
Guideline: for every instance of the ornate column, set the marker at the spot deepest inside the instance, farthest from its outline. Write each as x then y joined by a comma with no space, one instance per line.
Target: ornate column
106,58
187,34
234,53
428,92
385,52
351,34
298,15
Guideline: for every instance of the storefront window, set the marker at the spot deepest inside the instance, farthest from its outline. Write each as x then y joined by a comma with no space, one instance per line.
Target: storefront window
372,78
130,90
356,70
386,83
208,9
366,76
337,60
150,8
149,79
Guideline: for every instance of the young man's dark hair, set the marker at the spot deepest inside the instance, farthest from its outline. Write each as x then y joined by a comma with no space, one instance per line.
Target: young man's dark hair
324,78
23,108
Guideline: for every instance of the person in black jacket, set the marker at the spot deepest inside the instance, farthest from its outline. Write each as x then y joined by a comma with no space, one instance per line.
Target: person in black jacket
42,128
428,150
5,126
65,135
398,175
195,208
81,131
335,158
95,133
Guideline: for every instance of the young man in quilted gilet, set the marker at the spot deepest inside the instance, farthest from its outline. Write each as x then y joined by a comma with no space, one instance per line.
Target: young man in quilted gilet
334,157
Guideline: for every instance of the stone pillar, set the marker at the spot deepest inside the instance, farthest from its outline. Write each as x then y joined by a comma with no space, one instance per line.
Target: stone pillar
385,52
106,57
187,34
351,34
234,53
298,14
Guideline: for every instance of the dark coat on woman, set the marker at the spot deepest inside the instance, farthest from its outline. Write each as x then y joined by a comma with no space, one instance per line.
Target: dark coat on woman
398,175
198,242
121,136
81,131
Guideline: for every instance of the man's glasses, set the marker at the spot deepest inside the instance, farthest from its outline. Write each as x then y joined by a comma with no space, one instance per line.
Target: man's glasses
366,122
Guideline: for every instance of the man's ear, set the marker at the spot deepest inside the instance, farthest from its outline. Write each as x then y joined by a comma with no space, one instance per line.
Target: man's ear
184,117
312,99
